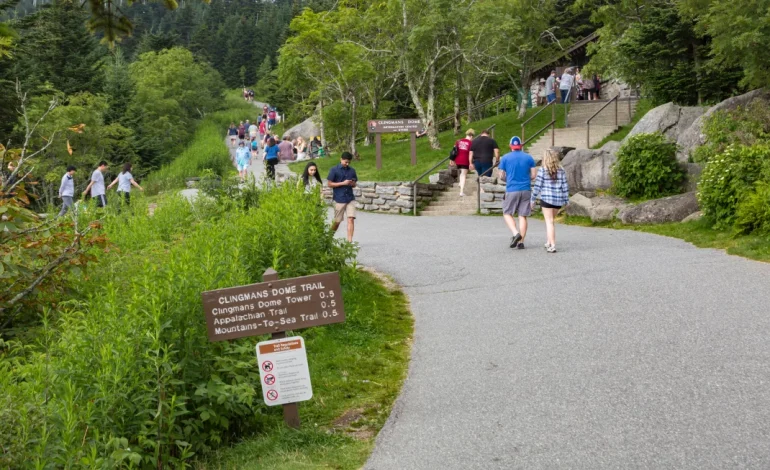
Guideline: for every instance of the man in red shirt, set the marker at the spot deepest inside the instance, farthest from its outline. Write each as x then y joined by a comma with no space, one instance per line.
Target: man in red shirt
462,161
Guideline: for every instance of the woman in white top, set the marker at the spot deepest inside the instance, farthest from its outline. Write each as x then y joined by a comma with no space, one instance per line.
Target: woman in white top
311,178
124,181
301,149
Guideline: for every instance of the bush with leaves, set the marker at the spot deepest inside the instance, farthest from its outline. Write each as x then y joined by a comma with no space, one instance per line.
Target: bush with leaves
647,168
729,179
127,376
745,125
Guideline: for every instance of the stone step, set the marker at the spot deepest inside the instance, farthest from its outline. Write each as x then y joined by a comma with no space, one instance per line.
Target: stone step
455,203
435,213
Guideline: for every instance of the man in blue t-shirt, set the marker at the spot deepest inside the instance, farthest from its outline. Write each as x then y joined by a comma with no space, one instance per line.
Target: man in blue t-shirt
518,170
342,179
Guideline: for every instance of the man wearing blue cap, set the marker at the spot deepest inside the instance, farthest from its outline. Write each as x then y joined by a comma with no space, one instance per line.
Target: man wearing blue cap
518,170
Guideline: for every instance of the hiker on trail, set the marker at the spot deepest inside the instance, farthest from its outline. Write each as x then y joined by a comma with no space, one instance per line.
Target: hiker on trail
67,190
550,87
253,131
484,154
254,149
310,177
566,84
241,131
552,188
517,169
579,84
286,150
96,186
301,149
264,110
588,89
271,116
242,157
342,179
232,131
462,161
263,127
315,145
271,158
124,181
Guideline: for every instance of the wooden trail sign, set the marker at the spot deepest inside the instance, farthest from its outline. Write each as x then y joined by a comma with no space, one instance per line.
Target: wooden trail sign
390,126
273,307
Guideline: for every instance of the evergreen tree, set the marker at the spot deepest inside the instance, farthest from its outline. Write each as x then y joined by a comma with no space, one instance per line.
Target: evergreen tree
118,88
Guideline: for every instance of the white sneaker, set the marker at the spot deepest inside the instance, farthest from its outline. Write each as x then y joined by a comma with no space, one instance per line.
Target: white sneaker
551,249
547,245
462,194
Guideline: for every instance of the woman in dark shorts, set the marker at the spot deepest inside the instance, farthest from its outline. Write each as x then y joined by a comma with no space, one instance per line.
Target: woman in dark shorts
463,160
551,185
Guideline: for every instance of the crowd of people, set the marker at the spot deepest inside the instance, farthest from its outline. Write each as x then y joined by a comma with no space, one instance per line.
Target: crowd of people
570,86
258,139
96,186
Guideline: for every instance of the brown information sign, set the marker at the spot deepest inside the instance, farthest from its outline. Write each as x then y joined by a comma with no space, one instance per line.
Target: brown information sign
380,126
275,306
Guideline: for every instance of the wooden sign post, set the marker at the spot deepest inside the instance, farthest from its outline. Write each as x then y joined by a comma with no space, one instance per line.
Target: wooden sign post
392,126
273,307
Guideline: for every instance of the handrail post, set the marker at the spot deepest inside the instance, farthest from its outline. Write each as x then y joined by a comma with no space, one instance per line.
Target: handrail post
616,113
414,198
630,118
553,127
588,134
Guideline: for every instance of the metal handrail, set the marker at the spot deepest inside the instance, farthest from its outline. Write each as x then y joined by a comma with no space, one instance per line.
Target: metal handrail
551,104
551,124
490,129
478,106
588,122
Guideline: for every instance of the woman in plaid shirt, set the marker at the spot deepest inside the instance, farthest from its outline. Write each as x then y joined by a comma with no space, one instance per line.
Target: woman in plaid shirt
551,185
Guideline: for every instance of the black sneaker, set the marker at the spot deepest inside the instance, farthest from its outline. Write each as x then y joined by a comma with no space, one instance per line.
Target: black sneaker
515,240
520,246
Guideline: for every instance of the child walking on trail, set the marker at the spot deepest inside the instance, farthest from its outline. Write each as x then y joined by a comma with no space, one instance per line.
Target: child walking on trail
67,190
124,181
551,185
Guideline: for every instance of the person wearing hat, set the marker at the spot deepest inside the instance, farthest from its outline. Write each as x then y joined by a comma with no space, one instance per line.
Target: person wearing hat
541,99
550,87
517,168
342,179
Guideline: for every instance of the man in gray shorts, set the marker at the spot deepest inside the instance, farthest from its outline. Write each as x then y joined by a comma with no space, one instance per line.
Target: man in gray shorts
518,170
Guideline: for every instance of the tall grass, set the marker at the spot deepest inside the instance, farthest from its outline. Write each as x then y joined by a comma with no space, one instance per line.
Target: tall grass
207,149
122,373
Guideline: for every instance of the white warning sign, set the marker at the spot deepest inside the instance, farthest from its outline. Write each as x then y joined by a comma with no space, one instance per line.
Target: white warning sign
283,371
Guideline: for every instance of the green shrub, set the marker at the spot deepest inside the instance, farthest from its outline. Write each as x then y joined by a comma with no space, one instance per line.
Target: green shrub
647,168
753,212
728,179
744,126
126,376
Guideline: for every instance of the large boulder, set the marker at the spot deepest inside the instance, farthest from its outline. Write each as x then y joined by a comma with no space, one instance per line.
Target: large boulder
658,211
599,209
588,170
562,151
669,119
693,136
307,129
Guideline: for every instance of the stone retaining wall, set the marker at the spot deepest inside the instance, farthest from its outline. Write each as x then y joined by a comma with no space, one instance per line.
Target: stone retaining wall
393,197
493,195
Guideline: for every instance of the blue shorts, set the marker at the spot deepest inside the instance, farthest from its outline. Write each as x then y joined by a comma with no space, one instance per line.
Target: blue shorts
551,97
271,122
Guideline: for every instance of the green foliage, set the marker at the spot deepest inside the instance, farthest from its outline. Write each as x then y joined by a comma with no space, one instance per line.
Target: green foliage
127,375
753,212
172,91
647,168
729,179
743,126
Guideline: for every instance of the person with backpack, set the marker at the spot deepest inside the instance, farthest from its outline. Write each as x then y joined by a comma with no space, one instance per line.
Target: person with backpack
552,188
462,150
271,158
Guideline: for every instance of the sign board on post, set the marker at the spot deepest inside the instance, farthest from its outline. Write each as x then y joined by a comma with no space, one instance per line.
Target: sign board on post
283,371
273,306
389,126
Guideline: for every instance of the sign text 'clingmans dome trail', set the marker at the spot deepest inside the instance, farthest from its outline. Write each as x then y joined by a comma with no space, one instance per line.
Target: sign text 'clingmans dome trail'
274,306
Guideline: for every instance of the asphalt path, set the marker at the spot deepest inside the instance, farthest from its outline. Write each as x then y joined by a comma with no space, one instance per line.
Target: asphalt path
622,350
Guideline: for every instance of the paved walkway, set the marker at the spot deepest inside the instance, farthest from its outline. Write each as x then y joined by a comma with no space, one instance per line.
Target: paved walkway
623,350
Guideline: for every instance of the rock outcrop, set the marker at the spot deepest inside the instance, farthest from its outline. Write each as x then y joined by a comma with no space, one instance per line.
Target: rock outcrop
693,136
658,211
599,208
307,129
588,170
669,119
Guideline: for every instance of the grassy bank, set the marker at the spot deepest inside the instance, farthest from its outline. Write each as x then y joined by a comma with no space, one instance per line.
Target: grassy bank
642,107
396,156
357,369
207,149
698,232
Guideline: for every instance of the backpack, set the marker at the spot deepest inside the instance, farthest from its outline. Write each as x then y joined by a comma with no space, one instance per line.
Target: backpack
453,153
254,145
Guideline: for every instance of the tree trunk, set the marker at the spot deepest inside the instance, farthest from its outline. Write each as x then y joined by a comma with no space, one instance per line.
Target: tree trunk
523,93
375,110
353,123
457,101
431,115
321,124
469,103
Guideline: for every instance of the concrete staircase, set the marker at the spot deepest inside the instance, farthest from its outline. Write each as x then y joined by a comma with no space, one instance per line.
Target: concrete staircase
450,202
575,135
